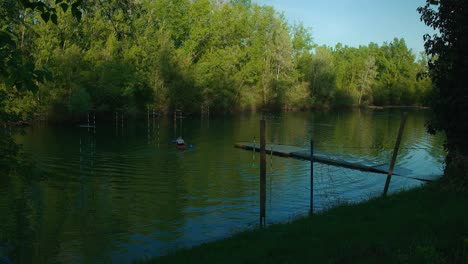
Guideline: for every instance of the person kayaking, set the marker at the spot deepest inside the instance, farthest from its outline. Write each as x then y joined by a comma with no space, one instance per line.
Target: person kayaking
180,143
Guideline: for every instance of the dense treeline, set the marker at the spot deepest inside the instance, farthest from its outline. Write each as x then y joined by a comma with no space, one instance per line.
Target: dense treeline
373,74
193,55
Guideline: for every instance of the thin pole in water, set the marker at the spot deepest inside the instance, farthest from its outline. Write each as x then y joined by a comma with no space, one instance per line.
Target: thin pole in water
271,173
158,131
262,174
395,152
80,154
148,129
311,211
253,150
180,124
116,123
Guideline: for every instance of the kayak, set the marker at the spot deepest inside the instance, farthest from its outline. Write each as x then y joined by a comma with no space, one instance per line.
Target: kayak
180,146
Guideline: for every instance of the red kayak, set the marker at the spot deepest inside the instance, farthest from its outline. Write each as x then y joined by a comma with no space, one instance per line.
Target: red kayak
180,146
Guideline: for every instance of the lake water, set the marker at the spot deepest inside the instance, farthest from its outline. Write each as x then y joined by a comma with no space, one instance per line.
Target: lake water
122,192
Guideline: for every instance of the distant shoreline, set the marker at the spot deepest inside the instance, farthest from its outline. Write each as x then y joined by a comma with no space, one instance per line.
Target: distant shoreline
74,120
398,107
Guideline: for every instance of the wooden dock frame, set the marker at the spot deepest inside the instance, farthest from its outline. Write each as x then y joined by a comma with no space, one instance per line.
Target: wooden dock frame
304,154
300,153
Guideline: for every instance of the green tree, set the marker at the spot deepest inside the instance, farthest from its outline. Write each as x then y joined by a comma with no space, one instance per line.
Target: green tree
449,72
366,78
19,77
423,80
349,68
298,95
395,81
322,77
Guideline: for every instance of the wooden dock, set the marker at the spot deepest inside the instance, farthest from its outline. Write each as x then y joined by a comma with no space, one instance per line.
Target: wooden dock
339,161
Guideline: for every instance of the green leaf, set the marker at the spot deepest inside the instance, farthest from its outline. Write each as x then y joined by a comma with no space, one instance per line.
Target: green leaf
76,13
6,39
28,4
10,81
53,17
41,7
58,1
45,16
64,7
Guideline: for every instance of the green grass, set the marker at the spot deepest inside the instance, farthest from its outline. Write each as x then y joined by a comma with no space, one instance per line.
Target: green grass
423,225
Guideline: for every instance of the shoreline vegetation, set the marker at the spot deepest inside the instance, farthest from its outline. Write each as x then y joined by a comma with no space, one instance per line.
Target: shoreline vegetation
428,224
196,56
398,107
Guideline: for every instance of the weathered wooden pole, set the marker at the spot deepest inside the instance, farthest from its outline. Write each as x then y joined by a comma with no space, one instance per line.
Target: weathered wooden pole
253,151
311,211
180,121
116,123
395,152
262,173
94,122
148,137
148,114
158,131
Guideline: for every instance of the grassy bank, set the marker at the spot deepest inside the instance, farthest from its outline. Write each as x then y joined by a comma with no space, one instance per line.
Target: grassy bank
424,225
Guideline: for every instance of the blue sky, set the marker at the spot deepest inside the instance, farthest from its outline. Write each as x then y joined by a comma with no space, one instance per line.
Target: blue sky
356,22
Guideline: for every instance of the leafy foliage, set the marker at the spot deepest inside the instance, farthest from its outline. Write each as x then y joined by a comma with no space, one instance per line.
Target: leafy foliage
192,55
19,76
448,69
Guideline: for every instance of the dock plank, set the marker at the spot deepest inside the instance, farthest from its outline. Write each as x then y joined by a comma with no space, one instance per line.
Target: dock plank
277,149
304,154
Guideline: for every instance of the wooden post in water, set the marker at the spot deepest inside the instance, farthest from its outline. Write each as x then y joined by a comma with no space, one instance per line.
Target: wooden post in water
311,211
116,123
253,150
262,173
175,124
395,152
180,123
158,127
94,122
148,129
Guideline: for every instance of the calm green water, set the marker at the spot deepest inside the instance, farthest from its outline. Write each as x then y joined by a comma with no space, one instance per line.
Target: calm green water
124,193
